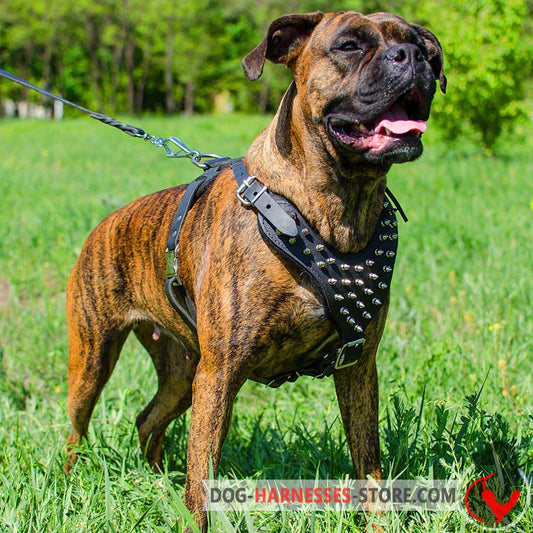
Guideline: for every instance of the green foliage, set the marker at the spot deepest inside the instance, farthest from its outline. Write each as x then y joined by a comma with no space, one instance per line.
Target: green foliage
488,50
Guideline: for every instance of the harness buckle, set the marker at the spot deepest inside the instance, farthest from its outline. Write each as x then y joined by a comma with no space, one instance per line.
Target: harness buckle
247,183
340,356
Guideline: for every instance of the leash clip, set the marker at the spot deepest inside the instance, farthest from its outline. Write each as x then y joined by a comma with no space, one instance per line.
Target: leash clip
247,183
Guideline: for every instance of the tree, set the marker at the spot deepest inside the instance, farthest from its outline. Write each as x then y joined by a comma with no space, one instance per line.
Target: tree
488,53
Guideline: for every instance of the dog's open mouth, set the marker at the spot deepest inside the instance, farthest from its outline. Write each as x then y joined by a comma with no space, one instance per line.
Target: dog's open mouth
401,121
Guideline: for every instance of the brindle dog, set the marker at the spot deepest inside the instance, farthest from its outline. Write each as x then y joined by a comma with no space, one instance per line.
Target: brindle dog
362,87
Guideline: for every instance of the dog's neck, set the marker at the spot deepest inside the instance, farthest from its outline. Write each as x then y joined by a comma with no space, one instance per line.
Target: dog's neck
343,205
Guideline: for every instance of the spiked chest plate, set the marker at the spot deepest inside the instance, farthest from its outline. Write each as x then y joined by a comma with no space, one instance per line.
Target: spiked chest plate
353,286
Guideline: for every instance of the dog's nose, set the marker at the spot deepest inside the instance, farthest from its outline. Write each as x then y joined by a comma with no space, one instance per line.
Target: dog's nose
404,54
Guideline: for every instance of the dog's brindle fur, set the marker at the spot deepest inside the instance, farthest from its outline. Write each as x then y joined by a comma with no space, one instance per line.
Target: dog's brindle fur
257,317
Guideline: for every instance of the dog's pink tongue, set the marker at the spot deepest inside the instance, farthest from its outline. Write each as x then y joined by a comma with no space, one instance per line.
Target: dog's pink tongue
396,120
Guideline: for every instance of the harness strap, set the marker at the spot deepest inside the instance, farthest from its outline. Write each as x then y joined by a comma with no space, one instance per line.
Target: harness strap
175,291
252,192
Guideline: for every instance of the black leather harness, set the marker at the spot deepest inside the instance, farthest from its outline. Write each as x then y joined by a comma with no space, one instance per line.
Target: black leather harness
353,286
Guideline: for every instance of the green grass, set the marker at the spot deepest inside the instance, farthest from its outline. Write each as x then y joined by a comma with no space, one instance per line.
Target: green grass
454,363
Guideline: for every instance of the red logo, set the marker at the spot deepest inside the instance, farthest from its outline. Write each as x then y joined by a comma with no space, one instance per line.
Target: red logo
499,510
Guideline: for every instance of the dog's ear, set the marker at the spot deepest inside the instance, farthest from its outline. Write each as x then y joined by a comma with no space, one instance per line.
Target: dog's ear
435,54
284,40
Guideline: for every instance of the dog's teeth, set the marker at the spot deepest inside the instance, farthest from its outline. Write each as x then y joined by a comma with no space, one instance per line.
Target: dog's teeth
387,132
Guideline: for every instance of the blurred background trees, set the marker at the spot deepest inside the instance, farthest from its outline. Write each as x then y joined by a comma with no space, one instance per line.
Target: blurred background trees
132,56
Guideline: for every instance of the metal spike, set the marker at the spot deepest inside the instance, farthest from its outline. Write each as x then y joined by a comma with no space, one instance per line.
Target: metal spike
358,328
346,281
390,253
387,268
358,268
368,291
339,297
373,275
376,301
394,236
293,215
351,321
359,282
332,281
394,224
321,264
352,295
370,262
379,252
344,266
319,247
305,232
292,240
383,237
344,311
307,251
386,205
278,232
330,260
360,304
383,285
367,315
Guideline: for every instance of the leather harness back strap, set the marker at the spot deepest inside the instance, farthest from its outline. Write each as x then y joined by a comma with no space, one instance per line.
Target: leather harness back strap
353,286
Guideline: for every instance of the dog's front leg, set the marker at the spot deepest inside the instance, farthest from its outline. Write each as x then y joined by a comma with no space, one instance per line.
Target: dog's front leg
214,390
357,393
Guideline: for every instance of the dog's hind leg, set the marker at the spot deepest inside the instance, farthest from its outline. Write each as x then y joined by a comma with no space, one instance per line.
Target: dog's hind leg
93,355
175,368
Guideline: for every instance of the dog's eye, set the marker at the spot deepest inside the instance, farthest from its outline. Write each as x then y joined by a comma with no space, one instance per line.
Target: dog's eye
349,46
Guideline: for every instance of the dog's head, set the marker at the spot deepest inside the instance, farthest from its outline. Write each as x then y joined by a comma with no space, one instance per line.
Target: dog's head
366,82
